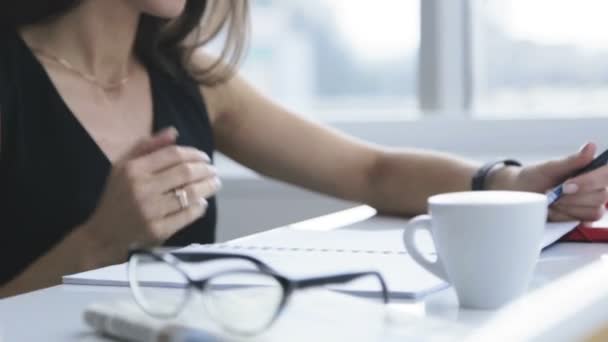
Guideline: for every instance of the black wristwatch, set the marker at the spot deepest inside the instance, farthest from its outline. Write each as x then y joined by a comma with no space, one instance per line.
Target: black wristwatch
479,179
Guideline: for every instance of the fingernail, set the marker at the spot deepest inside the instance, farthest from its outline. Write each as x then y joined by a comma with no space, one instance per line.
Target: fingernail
212,170
171,131
570,188
218,183
203,202
205,157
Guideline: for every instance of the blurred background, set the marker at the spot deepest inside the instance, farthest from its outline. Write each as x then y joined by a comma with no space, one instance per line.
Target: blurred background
481,78
356,59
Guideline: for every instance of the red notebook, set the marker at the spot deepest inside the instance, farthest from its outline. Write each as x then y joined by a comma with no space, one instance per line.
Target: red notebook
594,232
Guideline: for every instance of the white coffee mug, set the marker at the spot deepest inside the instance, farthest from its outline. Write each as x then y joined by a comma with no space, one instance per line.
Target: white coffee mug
487,243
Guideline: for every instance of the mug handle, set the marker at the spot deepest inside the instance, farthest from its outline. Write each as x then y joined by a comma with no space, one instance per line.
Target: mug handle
422,222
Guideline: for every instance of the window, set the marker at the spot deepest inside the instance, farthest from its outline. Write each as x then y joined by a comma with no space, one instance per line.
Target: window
337,59
370,67
352,60
544,58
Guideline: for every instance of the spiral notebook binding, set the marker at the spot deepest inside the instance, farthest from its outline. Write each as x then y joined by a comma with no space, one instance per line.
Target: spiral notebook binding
299,249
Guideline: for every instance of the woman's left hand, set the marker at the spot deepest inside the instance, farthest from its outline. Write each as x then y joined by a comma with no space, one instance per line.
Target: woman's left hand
584,196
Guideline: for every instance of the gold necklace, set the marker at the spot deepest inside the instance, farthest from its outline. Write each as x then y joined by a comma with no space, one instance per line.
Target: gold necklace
88,77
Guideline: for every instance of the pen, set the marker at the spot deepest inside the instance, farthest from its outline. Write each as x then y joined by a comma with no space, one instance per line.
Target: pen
556,193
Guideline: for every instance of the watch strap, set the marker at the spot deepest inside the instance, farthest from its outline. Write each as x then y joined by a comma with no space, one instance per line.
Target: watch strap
479,179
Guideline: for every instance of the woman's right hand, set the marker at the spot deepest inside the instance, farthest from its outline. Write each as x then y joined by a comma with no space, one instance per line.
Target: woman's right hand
139,204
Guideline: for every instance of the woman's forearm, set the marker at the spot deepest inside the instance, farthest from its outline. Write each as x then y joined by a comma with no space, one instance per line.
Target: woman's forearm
77,252
402,180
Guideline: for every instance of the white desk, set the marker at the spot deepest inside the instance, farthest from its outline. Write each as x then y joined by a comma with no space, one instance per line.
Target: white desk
54,314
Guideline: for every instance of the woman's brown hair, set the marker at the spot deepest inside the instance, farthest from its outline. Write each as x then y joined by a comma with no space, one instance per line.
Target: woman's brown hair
163,43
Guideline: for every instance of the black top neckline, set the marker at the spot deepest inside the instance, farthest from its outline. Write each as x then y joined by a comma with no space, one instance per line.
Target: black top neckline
53,173
39,68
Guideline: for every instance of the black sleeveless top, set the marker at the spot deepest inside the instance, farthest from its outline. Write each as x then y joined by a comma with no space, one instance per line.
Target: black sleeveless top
52,172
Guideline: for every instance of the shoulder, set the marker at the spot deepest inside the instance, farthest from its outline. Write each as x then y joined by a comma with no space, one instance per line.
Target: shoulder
226,98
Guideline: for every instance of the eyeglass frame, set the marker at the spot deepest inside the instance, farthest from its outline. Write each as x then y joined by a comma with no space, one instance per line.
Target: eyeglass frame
288,285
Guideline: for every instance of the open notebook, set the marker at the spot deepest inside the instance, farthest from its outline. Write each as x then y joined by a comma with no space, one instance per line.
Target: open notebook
301,253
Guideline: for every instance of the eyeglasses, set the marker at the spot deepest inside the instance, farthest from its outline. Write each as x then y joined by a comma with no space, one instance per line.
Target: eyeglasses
245,299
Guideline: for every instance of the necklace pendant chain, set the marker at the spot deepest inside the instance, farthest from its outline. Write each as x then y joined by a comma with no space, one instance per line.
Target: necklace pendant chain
88,77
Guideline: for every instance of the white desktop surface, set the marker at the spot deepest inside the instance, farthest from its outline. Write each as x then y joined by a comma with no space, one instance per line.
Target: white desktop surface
55,314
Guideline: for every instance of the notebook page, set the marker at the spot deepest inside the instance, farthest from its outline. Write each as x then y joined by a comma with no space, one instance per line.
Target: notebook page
379,234
371,245
555,230
405,278
341,240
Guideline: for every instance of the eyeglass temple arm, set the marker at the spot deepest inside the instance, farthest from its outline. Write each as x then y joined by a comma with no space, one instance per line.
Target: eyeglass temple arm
201,257
341,279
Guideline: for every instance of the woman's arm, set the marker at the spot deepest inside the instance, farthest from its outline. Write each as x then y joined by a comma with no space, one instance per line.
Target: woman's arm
258,133
138,206
277,143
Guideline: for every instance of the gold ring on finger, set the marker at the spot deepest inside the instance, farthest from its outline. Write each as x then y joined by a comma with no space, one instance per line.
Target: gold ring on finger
182,197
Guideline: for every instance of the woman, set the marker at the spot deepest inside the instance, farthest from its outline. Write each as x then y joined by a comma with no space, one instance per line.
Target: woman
84,84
